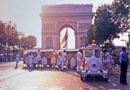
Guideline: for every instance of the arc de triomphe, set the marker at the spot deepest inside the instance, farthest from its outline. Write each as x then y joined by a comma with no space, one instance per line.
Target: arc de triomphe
56,17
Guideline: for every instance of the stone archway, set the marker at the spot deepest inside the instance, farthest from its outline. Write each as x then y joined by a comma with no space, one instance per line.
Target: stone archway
56,17
67,26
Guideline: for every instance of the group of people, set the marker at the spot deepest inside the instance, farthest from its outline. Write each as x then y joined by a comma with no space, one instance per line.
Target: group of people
62,61
33,60
124,62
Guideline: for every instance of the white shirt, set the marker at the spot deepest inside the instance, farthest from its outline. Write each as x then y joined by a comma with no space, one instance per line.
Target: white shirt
59,60
44,61
38,53
38,56
79,55
17,57
107,56
64,55
30,57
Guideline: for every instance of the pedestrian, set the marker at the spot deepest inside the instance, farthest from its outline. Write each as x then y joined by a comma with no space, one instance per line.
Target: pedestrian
124,65
65,60
38,57
35,60
44,61
53,59
107,61
59,61
30,58
79,60
73,62
17,59
27,59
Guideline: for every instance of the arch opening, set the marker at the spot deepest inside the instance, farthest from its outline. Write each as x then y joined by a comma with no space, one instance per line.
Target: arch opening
67,38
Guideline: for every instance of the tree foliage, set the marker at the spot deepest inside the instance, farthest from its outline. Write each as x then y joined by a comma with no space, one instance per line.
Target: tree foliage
28,42
2,34
110,20
12,40
120,12
12,35
104,27
90,34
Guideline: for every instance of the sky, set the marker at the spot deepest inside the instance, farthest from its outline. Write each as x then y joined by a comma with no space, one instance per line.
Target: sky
26,13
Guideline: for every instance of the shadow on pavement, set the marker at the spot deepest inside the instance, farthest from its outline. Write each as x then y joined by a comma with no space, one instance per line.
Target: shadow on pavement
41,69
112,83
73,73
70,71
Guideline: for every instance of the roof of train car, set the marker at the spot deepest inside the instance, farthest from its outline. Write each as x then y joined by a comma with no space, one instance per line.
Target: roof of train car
35,50
49,50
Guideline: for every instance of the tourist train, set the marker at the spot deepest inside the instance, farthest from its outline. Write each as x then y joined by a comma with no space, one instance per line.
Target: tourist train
92,62
49,55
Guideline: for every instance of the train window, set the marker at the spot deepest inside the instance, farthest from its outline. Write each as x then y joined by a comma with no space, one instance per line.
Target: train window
88,53
97,53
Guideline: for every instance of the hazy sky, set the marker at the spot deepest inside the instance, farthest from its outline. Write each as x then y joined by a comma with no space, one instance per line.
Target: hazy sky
26,13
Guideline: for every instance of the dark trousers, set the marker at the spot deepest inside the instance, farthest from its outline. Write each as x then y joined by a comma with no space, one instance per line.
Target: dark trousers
123,72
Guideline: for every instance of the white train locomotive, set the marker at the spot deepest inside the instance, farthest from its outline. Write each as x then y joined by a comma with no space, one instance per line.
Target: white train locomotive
94,63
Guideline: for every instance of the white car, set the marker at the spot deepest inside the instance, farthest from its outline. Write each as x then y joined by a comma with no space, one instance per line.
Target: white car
94,64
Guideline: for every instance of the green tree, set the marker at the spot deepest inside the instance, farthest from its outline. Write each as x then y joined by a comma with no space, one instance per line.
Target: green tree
110,20
11,38
2,36
105,28
90,35
8,38
12,34
28,42
120,12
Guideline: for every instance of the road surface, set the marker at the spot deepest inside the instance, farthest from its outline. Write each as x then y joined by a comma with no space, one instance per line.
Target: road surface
23,78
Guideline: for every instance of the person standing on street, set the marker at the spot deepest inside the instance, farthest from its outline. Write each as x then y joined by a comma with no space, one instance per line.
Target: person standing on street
124,64
39,57
107,59
65,60
17,59
30,58
53,58
79,60
59,61
44,61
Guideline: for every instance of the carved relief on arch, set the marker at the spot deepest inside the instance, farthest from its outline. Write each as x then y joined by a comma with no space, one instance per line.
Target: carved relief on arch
62,24
82,41
48,27
83,26
49,43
